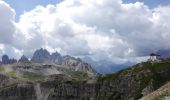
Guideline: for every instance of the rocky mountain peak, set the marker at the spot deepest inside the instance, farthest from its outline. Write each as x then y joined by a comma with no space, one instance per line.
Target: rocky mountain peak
77,64
43,56
56,58
7,60
67,57
23,59
40,56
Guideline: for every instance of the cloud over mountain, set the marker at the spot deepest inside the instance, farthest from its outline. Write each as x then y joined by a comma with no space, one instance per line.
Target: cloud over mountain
100,29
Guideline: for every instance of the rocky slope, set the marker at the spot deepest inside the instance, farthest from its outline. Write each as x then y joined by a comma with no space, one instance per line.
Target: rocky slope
162,93
136,82
32,81
43,82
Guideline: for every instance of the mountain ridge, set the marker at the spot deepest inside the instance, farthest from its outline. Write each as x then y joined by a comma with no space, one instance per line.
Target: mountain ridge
42,56
75,79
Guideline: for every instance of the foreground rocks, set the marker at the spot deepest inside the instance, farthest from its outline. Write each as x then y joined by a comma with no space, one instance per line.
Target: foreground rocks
162,93
18,91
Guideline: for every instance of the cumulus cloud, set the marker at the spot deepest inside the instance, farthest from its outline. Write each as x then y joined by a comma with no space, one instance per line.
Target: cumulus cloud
7,27
7,31
103,30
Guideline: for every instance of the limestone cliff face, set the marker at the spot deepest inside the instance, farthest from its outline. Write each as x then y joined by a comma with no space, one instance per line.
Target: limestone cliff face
4,80
20,91
74,91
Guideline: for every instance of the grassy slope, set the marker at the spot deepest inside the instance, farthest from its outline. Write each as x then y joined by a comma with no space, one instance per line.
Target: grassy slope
9,71
140,69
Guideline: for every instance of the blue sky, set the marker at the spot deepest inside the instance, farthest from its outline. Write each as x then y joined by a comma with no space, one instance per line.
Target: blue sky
151,3
25,5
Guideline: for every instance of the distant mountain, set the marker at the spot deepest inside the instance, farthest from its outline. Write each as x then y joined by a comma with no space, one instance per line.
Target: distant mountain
164,53
7,60
105,66
23,59
56,58
41,56
76,64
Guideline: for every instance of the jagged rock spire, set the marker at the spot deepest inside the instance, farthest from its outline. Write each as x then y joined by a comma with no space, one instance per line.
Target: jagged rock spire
41,56
23,59
56,58
6,60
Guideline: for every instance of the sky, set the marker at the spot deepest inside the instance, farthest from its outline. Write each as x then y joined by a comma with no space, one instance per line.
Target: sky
106,33
150,3
22,6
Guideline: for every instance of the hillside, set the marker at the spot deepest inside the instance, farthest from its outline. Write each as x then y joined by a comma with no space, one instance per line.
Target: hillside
162,93
136,81
34,82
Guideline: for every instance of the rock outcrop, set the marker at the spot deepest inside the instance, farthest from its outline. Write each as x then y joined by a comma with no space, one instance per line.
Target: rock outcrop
56,58
41,56
23,59
160,94
20,91
77,64
4,80
6,60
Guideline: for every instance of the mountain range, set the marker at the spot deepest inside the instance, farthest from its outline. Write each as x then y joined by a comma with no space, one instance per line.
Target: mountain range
42,56
54,77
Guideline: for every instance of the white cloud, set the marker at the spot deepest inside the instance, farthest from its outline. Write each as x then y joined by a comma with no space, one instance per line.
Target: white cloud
7,27
101,29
